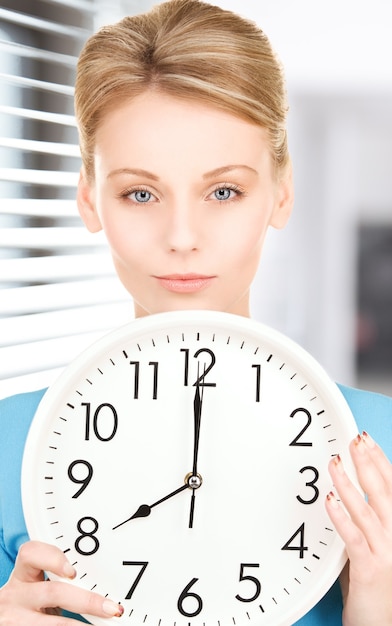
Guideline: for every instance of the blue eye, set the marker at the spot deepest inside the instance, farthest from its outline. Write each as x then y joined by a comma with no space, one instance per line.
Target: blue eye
141,195
138,195
227,192
223,193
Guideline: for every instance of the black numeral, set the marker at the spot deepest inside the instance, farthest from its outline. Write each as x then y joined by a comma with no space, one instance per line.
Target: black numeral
200,380
253,579
310,483
101,411
80,481
87,536
142,565
258,381
154,365
136,380
300,546
296,441
186,594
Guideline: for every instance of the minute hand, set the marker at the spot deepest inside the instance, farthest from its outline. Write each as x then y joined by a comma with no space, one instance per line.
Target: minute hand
194,479
197,406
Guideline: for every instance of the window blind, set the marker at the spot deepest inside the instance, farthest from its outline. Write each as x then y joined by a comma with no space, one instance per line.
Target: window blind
58,290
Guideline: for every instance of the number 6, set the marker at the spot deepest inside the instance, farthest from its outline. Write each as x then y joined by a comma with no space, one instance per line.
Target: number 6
187,594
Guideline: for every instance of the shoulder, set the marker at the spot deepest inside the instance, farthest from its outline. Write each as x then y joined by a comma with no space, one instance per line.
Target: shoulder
373,413
16,414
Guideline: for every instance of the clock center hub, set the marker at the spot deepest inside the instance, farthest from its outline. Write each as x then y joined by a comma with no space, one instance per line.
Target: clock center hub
194,481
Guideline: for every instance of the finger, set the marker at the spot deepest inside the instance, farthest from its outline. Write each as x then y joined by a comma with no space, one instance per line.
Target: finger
34,557
375,476
380,458
357,547
52,594
38,595
361,513
24,616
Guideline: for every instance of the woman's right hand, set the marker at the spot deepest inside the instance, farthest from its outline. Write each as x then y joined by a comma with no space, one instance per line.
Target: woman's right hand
27,599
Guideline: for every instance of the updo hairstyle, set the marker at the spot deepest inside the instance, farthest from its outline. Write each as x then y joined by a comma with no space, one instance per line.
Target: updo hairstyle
188,49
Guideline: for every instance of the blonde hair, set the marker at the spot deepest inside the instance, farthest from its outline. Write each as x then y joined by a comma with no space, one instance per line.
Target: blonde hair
189,49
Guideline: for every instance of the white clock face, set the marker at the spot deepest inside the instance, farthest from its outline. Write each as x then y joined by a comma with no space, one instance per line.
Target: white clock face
243,537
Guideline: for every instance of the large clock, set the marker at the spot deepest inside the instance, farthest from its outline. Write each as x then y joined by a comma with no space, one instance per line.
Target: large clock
181,464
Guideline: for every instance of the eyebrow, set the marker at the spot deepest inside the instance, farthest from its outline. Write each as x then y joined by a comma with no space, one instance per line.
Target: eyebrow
134,172
216,172
228,168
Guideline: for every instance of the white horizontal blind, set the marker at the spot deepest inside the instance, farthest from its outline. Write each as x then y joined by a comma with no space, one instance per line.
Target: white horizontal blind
58,291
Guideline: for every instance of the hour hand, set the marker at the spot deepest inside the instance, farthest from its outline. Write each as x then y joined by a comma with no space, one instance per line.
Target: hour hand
144,510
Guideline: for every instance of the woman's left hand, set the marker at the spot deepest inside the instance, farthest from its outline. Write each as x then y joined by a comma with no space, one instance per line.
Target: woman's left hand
367,533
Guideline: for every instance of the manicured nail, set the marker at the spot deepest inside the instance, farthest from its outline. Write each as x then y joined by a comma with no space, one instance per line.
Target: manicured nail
338,464
332,500
359,443
69,571
111,608
368,440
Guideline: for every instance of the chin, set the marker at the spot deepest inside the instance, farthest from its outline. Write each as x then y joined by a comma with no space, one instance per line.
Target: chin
192,304
178,304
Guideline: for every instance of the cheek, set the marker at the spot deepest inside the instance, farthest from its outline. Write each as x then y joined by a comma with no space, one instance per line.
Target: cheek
125,240
245,239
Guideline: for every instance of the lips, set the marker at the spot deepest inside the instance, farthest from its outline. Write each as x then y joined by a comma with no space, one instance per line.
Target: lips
185,283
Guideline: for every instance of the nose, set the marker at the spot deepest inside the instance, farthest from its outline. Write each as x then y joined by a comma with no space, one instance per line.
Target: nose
183,229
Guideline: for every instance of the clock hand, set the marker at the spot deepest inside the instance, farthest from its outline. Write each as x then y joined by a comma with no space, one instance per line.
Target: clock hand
144,510
192,481
197,406
195,479
192,510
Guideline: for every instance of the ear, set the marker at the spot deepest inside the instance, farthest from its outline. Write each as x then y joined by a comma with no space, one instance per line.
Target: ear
86,204
284,199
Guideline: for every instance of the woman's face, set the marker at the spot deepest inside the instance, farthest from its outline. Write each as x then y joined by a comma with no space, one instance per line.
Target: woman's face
185,194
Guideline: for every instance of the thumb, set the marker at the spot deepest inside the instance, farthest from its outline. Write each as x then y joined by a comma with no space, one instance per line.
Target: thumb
35,557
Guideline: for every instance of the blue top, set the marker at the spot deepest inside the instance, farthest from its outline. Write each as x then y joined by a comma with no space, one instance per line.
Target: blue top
373,413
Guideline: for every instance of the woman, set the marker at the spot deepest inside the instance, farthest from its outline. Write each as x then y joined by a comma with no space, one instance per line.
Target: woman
182,114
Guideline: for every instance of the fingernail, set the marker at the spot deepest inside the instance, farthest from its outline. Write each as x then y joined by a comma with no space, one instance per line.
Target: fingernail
359,444
111,608
332,500
338,464
368,440
69,571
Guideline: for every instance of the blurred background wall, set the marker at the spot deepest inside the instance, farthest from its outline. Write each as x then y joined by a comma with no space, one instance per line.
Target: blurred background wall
327,280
